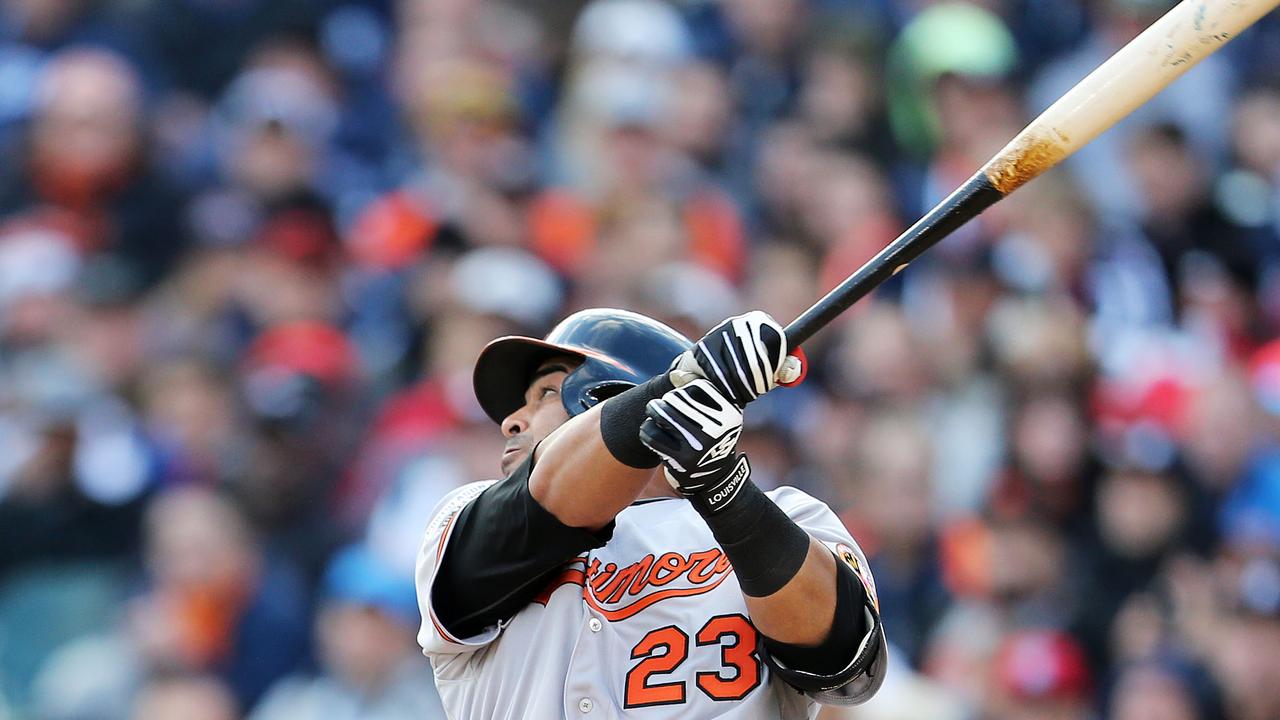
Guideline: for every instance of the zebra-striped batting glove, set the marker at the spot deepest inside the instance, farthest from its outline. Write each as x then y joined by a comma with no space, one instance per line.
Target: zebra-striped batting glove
695,430
744,357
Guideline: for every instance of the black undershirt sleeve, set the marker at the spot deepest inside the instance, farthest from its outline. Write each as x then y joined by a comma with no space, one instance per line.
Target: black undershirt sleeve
503,549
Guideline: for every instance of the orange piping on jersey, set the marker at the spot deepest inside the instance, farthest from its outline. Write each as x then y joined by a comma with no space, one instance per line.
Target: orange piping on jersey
569,576
444,539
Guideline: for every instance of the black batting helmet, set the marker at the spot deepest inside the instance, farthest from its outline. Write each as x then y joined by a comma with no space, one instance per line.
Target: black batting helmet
618,349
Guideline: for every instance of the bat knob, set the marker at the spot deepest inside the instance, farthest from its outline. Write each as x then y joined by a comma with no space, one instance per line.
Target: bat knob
794,368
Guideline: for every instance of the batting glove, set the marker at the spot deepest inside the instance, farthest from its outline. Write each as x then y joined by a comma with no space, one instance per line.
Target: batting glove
744,357
695,430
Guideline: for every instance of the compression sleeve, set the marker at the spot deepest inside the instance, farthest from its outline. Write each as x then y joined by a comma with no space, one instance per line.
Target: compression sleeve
503,549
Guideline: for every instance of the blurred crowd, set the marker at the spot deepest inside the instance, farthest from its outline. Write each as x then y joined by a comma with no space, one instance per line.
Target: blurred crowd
250,249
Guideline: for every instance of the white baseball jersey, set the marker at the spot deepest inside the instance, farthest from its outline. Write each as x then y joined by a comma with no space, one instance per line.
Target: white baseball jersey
651,625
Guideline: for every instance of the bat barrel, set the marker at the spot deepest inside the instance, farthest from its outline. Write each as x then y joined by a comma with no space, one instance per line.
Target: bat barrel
1191,31
968,201
1164,52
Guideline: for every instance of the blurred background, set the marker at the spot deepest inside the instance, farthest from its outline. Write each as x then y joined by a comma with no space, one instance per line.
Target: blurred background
249,250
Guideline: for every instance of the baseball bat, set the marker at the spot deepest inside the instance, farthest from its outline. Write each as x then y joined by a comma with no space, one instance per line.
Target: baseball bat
1190,32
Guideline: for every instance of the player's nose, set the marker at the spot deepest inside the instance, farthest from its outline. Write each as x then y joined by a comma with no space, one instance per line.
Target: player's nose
515,423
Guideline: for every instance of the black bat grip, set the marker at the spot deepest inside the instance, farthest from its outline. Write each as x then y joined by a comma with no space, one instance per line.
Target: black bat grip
966,203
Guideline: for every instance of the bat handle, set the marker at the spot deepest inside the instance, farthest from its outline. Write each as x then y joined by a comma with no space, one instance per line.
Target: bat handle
976,195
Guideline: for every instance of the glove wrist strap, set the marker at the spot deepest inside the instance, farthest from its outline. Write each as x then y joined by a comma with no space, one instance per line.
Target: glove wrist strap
765,547
716,498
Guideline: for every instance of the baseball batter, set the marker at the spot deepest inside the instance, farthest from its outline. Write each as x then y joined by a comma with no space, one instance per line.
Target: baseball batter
627,566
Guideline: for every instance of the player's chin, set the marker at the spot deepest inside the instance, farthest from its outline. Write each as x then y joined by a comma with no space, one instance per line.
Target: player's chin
512,459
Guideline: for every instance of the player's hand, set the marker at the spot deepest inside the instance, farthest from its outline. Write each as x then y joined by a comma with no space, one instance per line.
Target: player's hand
695,430
744,357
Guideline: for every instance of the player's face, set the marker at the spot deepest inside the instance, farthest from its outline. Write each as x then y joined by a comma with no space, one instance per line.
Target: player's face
542,412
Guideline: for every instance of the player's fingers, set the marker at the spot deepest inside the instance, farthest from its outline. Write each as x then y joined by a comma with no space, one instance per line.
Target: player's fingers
668,419
775,345
703,393
794,368
657,438
718,366
748,350
739,387
659,411
686,369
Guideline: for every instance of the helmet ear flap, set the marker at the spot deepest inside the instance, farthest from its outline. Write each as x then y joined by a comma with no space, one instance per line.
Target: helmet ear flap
605,390
584,388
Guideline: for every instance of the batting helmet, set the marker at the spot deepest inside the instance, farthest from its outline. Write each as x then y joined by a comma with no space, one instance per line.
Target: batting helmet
618,349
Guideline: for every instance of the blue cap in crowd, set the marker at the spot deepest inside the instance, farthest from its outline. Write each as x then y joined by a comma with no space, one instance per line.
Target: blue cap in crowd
357,576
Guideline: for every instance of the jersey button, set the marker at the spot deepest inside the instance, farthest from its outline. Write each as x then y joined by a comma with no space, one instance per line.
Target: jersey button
585,705
594,624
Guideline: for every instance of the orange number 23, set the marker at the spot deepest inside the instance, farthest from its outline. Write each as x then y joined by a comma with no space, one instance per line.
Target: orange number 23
666,648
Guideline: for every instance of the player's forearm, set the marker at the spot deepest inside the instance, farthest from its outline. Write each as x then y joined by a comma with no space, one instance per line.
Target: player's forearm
821,629
802,611
577,479
811,610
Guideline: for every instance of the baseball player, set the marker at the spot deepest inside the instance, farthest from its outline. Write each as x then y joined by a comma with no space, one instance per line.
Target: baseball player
627,566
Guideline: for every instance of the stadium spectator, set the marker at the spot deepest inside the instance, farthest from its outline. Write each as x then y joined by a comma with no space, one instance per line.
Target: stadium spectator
365,630
216,603
195,697
249,251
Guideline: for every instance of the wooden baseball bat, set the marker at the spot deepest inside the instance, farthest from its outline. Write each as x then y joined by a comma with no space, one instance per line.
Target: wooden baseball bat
1190,32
